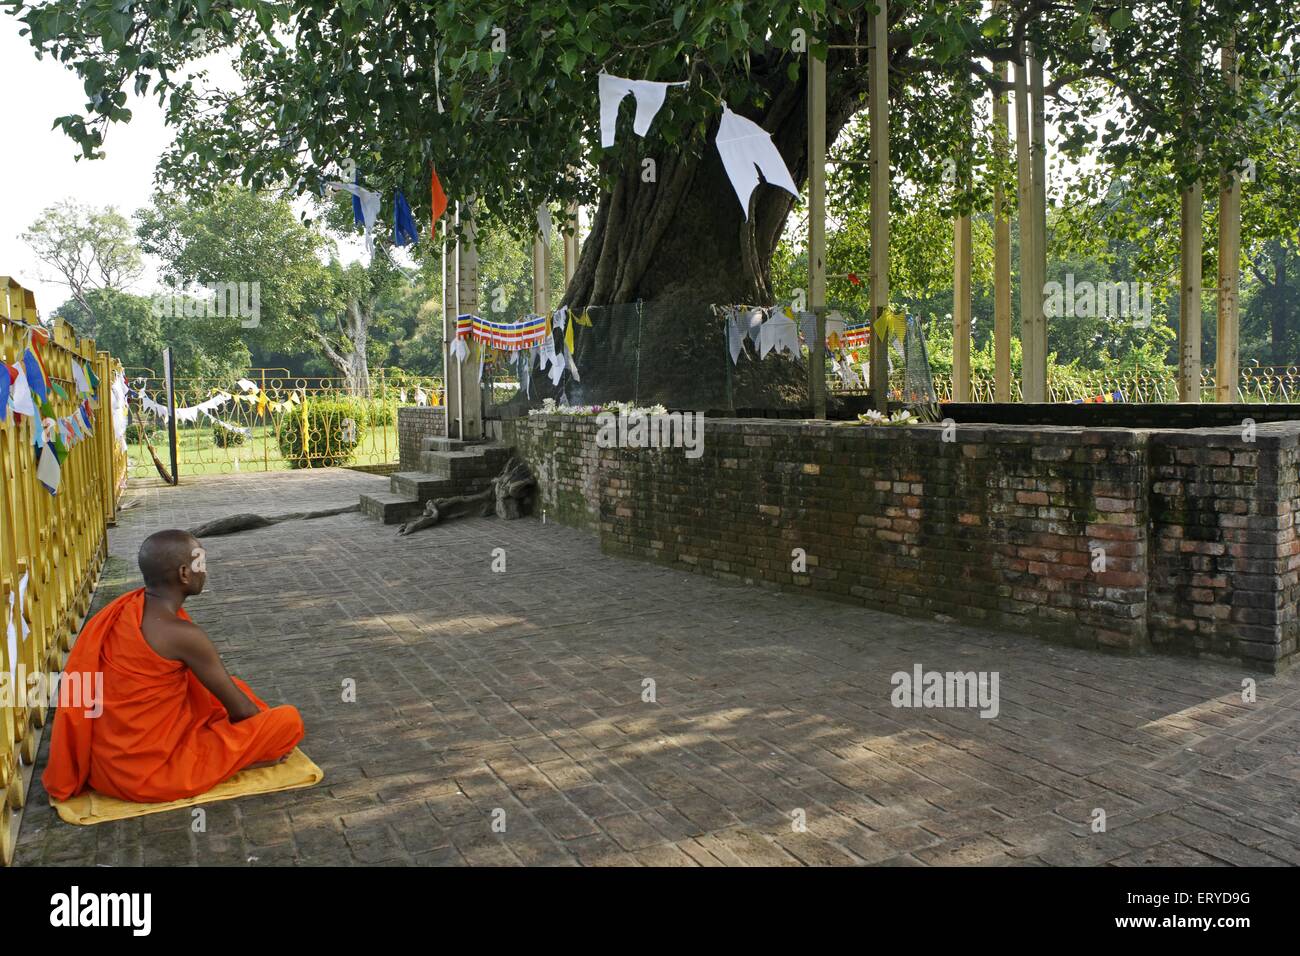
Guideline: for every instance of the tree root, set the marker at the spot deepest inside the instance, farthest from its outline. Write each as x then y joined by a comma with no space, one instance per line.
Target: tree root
509,496
233,524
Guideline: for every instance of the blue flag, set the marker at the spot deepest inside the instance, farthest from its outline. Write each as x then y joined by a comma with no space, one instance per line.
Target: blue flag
4,392
357,217
405,230
35,377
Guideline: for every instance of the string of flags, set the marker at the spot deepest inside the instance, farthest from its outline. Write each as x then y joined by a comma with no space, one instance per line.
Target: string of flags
543,341
28,390
366,204
1104,397
780,329
249,393
745,148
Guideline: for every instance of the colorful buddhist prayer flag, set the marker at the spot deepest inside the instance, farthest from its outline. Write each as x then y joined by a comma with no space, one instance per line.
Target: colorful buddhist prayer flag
856,336
35,375
506,336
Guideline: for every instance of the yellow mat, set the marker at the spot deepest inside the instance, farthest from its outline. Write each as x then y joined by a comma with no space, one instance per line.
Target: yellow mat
89,808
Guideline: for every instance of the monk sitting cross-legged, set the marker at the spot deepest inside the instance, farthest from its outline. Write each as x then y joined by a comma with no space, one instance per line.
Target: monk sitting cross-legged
174,723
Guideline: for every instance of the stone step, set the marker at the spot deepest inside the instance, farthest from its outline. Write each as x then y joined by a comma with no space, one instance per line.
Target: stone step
421,485
480,461
390,508
438,443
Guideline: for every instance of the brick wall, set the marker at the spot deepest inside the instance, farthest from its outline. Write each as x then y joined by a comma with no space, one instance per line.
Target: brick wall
1224,548
415,422
562,452
1101,537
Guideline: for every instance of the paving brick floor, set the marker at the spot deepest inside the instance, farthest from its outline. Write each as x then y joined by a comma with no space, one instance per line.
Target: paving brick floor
517,698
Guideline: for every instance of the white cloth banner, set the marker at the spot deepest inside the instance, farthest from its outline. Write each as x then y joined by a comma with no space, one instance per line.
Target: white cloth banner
48,471
780,333
79,379
21,395
743,145
737,324
369,208
118,394
189,414
649,100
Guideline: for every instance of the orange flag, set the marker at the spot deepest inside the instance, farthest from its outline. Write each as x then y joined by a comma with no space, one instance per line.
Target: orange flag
439,197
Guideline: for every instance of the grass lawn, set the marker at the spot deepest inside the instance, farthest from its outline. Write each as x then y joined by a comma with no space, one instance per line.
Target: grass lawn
199,455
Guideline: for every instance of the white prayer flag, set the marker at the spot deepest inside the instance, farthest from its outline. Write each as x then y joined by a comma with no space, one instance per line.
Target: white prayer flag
744,145
736,334
48,471
780,333
649,99
79,379
21,395
369,208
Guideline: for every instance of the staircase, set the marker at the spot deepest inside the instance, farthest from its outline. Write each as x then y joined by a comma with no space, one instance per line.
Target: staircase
449,466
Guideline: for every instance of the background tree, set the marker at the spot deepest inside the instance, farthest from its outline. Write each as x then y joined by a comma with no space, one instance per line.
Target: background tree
240,236
90,250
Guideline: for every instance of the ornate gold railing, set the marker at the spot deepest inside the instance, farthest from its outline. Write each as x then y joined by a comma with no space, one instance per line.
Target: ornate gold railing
52,546
264,420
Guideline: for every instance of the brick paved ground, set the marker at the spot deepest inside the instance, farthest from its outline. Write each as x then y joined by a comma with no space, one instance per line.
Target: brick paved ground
522,692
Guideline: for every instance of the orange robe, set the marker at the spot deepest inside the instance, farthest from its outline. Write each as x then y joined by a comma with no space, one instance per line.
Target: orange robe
161,736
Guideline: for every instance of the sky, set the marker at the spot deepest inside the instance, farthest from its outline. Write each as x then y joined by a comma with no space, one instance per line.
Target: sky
44,169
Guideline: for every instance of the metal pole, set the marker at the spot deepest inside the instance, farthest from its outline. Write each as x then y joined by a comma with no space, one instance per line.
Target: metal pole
169,374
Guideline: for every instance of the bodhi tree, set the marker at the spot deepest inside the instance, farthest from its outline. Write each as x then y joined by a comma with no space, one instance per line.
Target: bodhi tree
501,98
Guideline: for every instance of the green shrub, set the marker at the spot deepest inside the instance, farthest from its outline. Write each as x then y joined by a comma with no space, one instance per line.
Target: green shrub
135,432
328,441
376,413
225,438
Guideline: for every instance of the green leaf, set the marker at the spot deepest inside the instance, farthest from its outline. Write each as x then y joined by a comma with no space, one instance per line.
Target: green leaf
994,27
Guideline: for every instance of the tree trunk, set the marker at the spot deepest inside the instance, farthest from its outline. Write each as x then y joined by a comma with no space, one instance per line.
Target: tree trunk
352,364
358,374
681,244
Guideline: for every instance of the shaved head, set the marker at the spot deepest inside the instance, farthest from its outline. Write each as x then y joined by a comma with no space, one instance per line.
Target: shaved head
163,554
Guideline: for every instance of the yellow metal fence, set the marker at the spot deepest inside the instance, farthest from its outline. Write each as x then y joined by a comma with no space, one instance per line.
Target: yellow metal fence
52,546
1256,383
